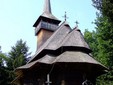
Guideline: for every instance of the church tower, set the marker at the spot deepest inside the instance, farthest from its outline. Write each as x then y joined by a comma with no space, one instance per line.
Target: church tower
45,25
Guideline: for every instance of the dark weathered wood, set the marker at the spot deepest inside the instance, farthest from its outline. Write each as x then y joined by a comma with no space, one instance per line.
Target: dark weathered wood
42,37
46,26
62,53
66,57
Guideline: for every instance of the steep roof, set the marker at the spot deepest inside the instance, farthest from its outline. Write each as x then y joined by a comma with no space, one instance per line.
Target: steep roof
76,57
53,42
47,10
47,6
57,38
74,38
65,46
64,38
47,15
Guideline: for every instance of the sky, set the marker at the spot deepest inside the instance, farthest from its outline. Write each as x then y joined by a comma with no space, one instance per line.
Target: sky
18,16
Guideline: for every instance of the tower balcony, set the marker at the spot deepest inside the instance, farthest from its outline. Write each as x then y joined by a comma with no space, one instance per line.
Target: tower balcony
46,26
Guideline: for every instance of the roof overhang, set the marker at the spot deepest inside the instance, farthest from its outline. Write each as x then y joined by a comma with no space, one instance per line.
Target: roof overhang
47,19
75,58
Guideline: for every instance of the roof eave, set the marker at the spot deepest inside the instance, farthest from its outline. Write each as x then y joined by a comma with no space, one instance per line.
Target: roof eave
55,21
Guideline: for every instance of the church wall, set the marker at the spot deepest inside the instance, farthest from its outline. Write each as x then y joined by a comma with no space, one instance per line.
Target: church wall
43,36
58,76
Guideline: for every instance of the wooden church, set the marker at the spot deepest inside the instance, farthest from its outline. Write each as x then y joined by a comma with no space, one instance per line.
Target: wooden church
62,58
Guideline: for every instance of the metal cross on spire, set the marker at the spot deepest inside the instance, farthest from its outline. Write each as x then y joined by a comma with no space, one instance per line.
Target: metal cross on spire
77,23
65,16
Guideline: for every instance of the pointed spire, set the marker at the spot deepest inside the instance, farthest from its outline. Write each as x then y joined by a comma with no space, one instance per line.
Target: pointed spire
47,6
47,15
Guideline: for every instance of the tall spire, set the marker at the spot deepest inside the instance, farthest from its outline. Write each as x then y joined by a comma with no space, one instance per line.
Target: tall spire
47,15
47,6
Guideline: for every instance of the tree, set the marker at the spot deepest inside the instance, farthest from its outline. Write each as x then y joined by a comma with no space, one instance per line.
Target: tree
3,70
104,29
105,47
17,57
0,57
105,7
105,41
91,39
101,43
8,63
104,38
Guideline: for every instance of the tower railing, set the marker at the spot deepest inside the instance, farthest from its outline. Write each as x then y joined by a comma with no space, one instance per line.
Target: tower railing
45,25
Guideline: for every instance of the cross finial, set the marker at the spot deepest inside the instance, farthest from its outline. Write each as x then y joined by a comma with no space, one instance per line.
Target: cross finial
48,80
77,23
65,16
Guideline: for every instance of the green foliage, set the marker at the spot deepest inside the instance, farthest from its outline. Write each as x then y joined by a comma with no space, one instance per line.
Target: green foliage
15,58
104,30
3,70
101,41
105,48
105,41
91,39
18,55
105,7
4,76
106,79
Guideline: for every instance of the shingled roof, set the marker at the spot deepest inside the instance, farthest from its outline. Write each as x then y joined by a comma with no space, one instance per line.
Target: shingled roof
47,15
66,57
55,40
65,49
65,38
47,11
75,38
